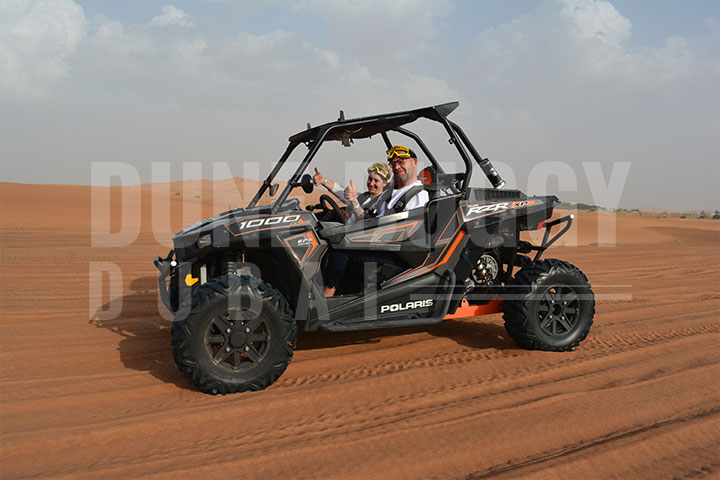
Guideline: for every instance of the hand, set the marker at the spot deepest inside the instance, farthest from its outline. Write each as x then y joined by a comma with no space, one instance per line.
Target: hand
318,178
351,193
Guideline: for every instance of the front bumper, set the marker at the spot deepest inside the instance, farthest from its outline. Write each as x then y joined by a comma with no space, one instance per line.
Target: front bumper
165,267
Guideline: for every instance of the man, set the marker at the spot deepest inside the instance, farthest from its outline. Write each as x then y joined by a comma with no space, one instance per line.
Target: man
407,192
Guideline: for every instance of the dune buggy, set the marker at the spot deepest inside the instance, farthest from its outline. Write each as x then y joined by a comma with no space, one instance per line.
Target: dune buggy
242,283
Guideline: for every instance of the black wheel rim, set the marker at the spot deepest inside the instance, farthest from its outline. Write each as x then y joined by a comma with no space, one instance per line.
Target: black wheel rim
558,311
237,339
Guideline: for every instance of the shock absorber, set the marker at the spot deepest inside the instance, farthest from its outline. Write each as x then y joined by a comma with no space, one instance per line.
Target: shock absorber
228,266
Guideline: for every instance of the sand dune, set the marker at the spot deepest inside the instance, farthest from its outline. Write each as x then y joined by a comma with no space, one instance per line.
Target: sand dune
89,388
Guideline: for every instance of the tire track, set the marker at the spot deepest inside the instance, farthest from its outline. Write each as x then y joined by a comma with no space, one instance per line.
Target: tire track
547,456
530,371
364,410
378,425
626,341
265,440
594,348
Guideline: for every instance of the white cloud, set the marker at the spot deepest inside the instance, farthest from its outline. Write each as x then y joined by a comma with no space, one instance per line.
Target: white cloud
36,39
560,84
587,96
597,20
106,28
189,55
583,41
110,37
173,94
172,15
261,44
379,34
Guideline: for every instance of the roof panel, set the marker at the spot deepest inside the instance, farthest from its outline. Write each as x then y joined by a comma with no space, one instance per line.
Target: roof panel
367,126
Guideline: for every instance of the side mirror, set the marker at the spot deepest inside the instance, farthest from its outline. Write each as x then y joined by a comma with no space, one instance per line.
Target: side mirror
273,189
307,183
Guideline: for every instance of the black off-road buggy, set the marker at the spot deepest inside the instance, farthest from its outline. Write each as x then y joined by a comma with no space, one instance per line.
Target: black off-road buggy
242,283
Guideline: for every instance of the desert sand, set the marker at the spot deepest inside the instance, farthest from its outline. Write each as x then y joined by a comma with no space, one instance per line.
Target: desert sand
89,388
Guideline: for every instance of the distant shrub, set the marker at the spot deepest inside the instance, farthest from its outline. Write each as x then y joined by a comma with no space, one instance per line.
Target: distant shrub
578,206
590,208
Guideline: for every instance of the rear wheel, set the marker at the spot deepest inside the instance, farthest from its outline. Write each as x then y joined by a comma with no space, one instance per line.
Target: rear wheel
239,335
550,307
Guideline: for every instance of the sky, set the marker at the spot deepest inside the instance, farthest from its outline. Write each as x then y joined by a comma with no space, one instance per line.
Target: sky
613,103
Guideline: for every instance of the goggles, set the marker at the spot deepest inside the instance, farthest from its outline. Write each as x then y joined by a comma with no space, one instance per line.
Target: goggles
381,170
399,151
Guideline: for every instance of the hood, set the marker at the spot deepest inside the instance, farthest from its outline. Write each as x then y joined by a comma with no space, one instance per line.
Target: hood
230,216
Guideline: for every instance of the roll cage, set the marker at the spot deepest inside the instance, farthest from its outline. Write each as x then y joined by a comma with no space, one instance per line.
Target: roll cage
365,127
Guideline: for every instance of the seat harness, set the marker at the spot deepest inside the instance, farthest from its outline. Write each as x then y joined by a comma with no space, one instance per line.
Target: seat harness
374,208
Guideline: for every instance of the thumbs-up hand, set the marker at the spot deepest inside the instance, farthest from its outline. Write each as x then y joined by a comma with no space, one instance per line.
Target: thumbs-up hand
350,193
318,178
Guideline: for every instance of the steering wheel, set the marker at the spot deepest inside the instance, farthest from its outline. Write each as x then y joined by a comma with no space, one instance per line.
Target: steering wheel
328,204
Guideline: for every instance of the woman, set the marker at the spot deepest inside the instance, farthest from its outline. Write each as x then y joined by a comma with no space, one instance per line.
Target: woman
378,177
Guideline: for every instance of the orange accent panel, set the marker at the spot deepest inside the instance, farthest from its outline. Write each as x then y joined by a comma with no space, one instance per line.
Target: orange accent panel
440,238
314,242
308,252
467,311
423,269
453,246
376,235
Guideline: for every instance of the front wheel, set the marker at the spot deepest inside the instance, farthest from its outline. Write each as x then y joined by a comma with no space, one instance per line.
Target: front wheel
239,335
550,306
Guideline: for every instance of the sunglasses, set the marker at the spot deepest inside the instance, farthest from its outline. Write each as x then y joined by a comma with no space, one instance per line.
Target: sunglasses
397,161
